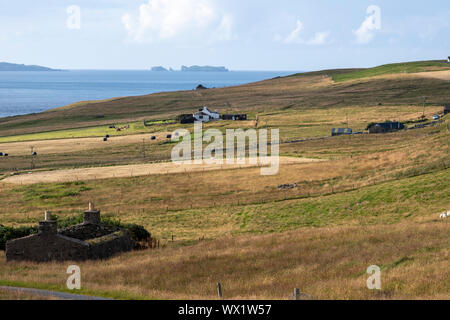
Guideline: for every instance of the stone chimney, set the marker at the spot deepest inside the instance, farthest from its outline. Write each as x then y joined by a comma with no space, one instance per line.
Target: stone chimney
92,216
48,226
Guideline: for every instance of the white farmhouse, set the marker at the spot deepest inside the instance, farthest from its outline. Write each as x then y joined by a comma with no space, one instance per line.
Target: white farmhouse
206,115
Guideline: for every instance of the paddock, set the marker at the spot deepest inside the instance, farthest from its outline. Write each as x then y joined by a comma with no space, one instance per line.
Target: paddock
60,146
85,174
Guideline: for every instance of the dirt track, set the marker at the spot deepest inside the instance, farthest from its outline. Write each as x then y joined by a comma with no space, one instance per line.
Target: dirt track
443,75
74,145
84,174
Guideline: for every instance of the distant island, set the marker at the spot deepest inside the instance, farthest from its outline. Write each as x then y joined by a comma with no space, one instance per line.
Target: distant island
191,69
5,66
203,69
159,69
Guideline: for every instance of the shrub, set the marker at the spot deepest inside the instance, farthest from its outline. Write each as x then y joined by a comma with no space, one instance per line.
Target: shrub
138,233
10,233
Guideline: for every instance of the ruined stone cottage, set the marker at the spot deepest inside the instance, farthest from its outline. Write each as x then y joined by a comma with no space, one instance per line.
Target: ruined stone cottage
88,240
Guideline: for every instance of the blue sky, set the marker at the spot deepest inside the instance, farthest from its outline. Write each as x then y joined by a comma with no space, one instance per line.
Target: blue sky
238,34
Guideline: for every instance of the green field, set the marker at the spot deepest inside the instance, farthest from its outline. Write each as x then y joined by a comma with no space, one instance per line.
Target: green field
396,68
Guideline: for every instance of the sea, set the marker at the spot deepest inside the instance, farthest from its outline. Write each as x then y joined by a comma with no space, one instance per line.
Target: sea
32,92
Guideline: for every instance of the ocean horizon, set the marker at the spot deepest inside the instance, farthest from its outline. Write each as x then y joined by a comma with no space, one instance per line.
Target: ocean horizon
25,92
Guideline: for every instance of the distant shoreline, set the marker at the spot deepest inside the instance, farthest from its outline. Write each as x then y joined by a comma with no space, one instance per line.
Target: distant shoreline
27,92
13,67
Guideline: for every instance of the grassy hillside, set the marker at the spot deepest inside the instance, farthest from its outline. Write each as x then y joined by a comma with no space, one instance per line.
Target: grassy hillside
396,68
298,92
355,184
370,199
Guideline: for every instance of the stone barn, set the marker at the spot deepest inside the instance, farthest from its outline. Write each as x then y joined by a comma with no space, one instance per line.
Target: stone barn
88,240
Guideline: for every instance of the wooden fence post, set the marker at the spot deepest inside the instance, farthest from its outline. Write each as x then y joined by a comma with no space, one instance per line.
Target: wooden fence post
296,294
219,290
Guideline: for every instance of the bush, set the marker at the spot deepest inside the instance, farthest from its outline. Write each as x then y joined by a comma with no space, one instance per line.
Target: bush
10,233
138,233
68,222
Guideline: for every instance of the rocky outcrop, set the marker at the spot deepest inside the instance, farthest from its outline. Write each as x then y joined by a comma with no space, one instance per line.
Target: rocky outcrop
201,87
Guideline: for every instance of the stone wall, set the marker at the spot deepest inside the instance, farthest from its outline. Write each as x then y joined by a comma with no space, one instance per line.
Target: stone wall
46,247
107,246
87,231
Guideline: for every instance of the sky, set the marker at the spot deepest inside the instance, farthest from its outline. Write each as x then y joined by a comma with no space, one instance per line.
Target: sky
289,35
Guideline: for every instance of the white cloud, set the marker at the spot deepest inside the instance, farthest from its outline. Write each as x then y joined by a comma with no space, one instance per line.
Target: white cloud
366,31
168,19
295,36
226,28
319,38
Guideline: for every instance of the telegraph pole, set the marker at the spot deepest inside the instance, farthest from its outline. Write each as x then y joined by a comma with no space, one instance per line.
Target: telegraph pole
32,159
143,147
424,100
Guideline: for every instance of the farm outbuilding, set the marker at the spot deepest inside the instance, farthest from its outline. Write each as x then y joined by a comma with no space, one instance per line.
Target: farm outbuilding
234,117
386,127
186,118
341,131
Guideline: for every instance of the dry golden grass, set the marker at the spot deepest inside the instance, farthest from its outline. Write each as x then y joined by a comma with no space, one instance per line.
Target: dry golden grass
137,170
443,75
122,150
61,146
326,263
